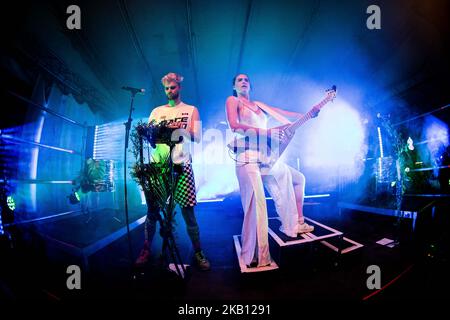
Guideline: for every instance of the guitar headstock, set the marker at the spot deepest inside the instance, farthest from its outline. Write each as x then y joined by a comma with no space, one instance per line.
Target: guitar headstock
331,93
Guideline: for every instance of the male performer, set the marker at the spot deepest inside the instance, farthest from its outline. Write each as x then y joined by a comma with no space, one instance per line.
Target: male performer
176,114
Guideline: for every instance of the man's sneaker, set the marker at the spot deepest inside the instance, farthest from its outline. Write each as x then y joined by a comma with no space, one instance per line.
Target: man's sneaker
202,262
144,255
304,227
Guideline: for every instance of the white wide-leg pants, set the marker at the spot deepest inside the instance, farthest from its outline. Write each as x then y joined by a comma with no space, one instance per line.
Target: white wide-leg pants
279,184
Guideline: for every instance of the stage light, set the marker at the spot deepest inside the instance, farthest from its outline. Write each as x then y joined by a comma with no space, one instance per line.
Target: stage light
410,144
74,197
436,134
380,142
336,142
11,203
7,207
2,232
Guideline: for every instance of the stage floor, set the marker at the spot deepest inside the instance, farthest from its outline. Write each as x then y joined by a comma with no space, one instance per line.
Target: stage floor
37,266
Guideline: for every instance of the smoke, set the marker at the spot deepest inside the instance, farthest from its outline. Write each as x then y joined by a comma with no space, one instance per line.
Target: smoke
213,166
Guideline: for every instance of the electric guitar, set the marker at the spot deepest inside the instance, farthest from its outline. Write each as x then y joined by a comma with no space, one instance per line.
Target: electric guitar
270,148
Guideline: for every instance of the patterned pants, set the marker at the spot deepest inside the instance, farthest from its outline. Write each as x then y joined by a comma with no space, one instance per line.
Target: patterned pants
185,191
186,199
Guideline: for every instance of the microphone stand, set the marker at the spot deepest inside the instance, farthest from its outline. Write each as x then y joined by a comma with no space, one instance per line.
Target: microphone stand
167,207
127,136
169,243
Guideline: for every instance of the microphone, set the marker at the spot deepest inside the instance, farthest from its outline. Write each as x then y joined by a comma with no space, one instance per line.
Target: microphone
134,90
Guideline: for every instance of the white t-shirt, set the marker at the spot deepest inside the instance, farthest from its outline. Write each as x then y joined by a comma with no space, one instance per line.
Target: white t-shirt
181,116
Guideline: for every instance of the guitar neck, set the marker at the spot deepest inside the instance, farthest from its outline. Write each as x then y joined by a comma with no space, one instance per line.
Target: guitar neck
307,116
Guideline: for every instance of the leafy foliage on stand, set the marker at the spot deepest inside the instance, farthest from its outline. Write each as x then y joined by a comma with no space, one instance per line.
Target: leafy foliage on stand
155,178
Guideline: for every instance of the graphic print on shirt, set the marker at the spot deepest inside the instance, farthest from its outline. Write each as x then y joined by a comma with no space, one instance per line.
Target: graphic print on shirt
181,123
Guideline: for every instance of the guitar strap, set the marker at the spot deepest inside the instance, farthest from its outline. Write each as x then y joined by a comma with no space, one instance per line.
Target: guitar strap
273,113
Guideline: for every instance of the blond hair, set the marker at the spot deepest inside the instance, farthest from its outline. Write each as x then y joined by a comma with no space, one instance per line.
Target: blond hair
172,76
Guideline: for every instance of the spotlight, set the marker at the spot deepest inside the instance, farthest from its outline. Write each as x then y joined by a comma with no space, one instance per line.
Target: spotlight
11,203
74,197
7,207
410,144
7,217
2,231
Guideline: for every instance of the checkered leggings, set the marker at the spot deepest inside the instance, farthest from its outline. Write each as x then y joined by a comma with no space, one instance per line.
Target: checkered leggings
185,191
